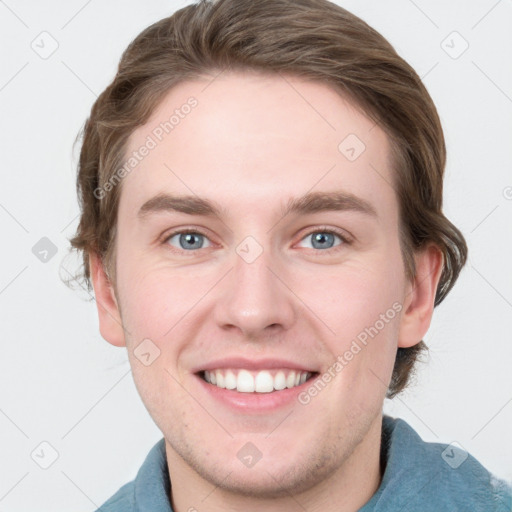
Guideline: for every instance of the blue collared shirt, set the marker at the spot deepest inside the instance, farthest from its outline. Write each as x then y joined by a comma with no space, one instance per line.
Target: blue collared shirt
418,477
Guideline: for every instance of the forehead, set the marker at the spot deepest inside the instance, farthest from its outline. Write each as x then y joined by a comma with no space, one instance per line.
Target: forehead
247,139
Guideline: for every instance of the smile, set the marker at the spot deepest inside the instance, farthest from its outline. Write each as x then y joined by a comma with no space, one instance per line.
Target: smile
249,381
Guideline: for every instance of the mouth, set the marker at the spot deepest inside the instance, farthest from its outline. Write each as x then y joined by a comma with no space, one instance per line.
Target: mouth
243,380
254,386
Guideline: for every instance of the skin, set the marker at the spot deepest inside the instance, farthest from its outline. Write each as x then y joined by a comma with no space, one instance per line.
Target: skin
253,142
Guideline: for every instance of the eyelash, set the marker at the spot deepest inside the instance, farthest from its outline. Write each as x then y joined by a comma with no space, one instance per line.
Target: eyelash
321,229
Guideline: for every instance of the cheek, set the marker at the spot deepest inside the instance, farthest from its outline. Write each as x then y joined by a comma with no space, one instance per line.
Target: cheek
356,297
154,299
155,315
362,304
165,398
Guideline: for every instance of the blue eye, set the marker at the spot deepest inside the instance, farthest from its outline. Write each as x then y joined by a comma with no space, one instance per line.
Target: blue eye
188,240
324,240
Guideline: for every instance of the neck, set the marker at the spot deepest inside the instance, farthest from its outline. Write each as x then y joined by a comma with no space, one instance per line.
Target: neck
347,489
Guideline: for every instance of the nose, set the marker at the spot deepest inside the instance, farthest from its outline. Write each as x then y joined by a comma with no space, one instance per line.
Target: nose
254,297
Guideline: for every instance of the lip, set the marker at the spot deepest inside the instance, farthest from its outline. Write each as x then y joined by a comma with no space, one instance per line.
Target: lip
254,403
253,364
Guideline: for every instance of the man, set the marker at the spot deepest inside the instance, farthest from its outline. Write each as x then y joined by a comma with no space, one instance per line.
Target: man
261,192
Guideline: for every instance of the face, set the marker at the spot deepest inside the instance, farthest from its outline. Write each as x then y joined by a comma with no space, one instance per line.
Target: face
257,247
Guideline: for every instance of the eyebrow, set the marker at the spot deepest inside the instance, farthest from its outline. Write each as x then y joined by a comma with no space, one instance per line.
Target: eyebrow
312,202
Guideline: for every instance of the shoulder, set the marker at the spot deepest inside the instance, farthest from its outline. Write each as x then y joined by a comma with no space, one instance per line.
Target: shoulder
148,491
422,475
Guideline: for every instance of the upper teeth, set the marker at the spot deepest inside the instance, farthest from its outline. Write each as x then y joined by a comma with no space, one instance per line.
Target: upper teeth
259,382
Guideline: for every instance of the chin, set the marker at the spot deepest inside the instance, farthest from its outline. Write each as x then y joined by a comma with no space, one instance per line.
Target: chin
266,482
271,477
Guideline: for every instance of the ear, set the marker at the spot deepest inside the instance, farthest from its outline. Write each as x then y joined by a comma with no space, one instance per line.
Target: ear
111,326
420,296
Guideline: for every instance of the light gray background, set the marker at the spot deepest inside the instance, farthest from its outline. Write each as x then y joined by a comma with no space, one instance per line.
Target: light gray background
61,383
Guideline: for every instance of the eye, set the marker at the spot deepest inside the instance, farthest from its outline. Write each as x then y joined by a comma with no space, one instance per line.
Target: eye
324,239
187,240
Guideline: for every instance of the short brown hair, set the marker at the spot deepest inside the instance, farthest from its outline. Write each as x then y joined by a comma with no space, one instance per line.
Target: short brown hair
310,39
